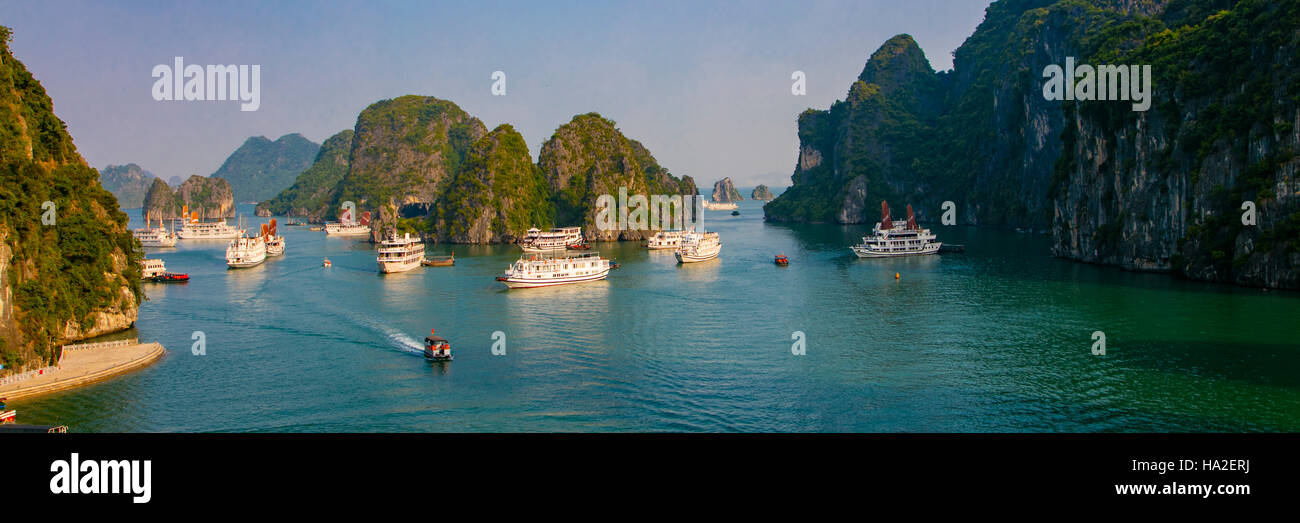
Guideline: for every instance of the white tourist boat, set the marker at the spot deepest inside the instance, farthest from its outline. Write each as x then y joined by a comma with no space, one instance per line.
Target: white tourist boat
556,239
348,225
151,267
719,206
666,240
541,271
698,247
889,239
154,237
399,254
274,242
196,229
245,251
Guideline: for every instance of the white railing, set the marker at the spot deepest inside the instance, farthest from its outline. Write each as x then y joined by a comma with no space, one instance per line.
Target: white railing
24,376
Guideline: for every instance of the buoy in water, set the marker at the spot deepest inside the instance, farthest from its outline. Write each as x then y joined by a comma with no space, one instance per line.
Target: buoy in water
896,276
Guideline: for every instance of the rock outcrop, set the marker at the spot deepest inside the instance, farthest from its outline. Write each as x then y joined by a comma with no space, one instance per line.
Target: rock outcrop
1157,190
68,265
497,195
724,191
209,197
761,193
589,157
128,183
314,193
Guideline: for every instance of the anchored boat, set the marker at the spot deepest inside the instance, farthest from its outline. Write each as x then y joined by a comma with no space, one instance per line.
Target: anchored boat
153,270
348,225
151,237
399,254
698,247
889,240
556,239
666,240
537,271
195,229
274,242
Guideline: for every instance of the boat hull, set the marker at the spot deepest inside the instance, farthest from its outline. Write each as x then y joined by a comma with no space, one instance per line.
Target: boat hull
245,263
867,253
697,257
390,267
528,283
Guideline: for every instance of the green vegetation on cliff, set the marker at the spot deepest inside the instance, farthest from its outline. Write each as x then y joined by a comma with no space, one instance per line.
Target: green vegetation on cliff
261,168
77,277
313,193
128,183
497,195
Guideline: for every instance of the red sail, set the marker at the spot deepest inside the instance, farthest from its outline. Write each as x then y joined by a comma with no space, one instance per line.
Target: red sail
911,218
271,229
263,230
365,218
885,222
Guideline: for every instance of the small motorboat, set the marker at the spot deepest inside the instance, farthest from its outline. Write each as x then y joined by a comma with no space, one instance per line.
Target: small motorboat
782,260
326,263
735,213
436,348
614,265
579,247
169,277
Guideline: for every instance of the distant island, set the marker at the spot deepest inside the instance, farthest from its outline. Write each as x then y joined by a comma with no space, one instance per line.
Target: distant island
724,191
423,165
128,183
761,193
1162,189
260,168
208,197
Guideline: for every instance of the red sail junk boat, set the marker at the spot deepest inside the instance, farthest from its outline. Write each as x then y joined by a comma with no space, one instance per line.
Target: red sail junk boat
888,240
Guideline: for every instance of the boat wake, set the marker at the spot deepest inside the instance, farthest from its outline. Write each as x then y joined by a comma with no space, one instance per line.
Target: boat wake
396,339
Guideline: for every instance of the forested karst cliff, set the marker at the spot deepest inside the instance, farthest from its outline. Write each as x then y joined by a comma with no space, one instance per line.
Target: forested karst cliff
314,192
128,183
209,197
261,168
68,270
423,165
1154,190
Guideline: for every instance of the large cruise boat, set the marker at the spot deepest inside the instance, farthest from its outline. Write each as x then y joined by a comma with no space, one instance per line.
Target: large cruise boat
195,229
719,206
698,247
349,226
556,239
246,252
274,242
889,239
151,237
539,271
666,240
399,254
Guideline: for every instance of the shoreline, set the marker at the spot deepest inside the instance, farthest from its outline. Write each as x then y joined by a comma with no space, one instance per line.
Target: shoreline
84,367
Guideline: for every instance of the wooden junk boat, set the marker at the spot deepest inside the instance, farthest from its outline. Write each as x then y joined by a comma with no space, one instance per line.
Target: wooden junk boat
436,348
439,261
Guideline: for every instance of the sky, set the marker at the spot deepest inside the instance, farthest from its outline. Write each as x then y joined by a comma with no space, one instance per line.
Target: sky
706,86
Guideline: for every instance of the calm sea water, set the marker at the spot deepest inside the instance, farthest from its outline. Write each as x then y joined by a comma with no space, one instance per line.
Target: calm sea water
995,339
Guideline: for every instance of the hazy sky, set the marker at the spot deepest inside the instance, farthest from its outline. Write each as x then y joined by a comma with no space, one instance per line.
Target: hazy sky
706,86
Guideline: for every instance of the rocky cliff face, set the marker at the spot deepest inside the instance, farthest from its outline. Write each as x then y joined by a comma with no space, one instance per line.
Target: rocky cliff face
128,183
1112,185
498,194
1165,189
68,266
210,197
314,193
725,191
589,157
761,193
405,149
260,168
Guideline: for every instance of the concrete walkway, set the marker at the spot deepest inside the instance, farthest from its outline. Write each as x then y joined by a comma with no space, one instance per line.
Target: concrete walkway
85,366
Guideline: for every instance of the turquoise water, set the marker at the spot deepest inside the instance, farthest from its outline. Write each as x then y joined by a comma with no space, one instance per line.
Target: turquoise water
995,339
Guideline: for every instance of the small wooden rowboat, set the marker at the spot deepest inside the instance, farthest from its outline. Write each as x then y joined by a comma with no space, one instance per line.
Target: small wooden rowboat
439,261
